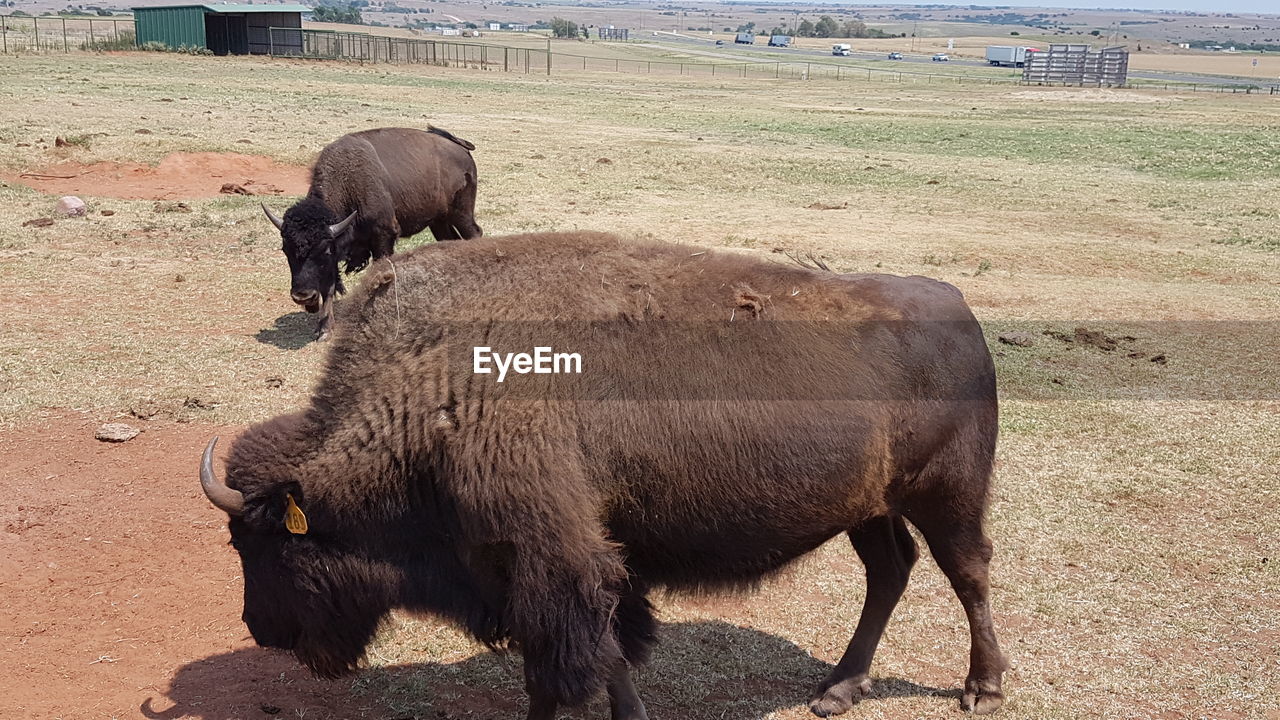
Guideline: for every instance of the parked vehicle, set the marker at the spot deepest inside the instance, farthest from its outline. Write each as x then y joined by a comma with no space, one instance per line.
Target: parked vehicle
1008,55
940,57
895,56
841,49
719,42
779,41
745,39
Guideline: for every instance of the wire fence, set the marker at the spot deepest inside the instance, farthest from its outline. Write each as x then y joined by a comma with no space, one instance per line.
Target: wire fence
56,33
362,47
26,34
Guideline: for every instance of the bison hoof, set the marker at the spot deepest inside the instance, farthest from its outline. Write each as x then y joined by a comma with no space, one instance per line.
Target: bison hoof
322,335
840,697
979,700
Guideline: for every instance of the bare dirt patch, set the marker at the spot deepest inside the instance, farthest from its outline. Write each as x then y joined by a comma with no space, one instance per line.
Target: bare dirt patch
124,596
179,175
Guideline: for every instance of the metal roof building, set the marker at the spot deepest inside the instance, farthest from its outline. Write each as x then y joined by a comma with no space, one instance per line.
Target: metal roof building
223,29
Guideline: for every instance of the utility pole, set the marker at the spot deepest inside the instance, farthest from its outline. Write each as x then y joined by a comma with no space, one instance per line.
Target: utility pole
548,54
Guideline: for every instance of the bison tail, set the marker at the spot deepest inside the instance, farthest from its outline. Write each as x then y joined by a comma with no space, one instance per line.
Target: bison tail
450,136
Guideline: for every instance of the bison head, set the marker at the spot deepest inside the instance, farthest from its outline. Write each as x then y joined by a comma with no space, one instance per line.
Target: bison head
313,243
306,588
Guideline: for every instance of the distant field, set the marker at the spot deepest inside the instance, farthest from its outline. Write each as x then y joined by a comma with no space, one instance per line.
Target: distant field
1136,542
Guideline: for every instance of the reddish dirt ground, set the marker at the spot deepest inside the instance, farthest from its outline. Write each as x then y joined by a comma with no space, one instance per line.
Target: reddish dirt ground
178,176
122,597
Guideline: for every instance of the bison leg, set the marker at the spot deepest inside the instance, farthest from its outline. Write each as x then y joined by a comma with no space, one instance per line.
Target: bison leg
962,550
462,211
624,701
634,624
888,552
541,707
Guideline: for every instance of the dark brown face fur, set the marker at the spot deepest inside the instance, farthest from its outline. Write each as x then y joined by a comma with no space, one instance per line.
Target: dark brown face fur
315,594
312,253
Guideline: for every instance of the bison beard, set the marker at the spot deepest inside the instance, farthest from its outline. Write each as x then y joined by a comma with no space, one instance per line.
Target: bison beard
541,512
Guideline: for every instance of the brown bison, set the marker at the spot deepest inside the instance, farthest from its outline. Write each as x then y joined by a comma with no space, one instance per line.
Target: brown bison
368,189
729,415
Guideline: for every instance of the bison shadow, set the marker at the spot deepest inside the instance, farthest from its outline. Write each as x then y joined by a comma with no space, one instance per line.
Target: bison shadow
291,331
701,671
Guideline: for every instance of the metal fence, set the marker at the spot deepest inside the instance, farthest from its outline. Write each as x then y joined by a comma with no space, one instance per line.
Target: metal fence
57,33
1077,65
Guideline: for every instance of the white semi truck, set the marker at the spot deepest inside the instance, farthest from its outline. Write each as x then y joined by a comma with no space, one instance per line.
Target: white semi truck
842,49
1008,55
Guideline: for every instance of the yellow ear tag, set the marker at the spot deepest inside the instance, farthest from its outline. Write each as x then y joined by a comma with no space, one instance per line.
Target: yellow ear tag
294,520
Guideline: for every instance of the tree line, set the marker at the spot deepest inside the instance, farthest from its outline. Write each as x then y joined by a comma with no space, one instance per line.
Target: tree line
825,27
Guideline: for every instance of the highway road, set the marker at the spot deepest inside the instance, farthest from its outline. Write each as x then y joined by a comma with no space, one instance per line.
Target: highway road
879,60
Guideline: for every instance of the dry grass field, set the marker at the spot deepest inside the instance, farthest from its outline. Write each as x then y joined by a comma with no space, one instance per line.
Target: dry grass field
1134,518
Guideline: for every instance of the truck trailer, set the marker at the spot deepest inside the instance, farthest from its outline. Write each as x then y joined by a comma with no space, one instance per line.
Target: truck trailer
745,39
779,40
1008,55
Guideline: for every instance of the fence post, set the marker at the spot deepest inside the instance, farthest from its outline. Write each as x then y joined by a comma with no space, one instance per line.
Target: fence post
777,70
548,56
35,25
807,71
271,43
4,33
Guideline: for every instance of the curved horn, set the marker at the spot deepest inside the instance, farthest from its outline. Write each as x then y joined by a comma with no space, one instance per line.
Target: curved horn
274,218
224,498
336,230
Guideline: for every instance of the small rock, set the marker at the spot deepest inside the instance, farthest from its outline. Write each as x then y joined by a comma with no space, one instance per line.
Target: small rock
604,161
163,207
1019,339
269,709
142,131
235,189
71,206
106,213
1160,359
275,382
243,141
59,142
179,278
38,222
116,432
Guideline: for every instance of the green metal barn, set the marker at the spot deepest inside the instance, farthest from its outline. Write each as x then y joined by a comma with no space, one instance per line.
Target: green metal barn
223,29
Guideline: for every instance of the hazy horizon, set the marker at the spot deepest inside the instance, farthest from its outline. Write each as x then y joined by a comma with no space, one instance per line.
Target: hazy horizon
1262,7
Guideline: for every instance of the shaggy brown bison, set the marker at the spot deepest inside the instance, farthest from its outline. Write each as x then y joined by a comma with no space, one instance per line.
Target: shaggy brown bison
368,189
730,415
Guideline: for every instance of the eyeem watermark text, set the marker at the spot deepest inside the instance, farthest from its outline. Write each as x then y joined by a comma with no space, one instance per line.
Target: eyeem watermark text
543,361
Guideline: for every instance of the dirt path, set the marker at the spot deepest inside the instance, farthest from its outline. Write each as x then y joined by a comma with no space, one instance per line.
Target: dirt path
122,597
179,176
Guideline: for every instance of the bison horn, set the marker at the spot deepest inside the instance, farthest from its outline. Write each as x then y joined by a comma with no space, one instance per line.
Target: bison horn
336,230
224,498
274,218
